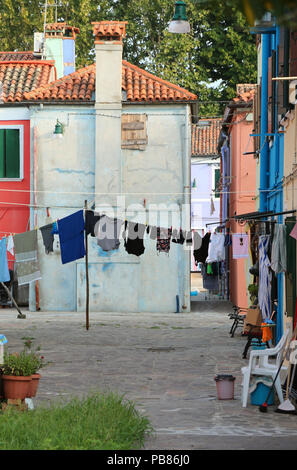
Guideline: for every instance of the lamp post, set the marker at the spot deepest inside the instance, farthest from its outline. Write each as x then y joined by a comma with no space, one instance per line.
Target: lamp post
179,23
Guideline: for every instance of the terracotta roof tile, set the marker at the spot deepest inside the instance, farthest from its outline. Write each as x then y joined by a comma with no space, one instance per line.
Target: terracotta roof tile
61,29
205,136
138,84
109,30
17,56
21,77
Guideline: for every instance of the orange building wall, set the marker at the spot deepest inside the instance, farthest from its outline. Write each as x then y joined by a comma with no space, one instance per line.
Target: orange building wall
242,189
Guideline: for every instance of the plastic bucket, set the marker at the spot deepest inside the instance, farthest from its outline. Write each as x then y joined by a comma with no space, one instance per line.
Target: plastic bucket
225,386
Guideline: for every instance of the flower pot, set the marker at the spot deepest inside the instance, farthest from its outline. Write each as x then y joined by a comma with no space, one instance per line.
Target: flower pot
15,387
33,385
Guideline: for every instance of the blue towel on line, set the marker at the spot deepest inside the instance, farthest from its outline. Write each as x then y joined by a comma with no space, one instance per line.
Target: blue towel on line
4,271
71,235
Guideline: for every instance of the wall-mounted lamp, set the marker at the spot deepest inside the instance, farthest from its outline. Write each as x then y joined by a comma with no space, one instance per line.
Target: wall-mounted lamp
59,130
179,23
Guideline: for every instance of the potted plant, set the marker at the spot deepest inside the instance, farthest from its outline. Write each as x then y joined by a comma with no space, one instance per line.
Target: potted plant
37,362
253,291
20,373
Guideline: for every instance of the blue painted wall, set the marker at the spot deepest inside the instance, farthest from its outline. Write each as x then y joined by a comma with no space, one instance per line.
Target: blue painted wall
271,157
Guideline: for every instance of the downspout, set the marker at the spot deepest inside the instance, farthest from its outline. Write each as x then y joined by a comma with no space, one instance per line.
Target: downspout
264,166
187,207
34,286
35,206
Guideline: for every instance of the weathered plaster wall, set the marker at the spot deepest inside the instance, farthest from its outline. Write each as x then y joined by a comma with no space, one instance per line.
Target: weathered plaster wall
68,173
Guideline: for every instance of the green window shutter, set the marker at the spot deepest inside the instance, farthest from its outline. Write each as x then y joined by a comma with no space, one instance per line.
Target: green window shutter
217,181
12,153
2,153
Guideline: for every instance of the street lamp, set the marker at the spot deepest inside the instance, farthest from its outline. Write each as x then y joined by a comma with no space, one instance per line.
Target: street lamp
59,130
179,23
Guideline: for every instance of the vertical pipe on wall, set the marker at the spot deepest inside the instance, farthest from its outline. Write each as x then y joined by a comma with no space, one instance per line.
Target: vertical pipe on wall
187,204
264,167
32,290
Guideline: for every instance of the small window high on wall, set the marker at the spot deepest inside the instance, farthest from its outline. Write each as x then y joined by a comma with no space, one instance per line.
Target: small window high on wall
11,152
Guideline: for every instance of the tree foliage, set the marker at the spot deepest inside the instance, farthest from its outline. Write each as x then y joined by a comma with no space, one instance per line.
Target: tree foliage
218,53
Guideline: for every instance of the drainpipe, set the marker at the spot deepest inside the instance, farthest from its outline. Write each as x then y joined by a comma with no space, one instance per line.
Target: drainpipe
187,207
264,124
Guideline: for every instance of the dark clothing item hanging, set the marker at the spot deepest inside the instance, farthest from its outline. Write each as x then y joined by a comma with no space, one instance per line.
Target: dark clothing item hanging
178,237
133,238
48,238
91,218
201,254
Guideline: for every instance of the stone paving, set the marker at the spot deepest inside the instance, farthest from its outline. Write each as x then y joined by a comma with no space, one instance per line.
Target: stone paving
166,363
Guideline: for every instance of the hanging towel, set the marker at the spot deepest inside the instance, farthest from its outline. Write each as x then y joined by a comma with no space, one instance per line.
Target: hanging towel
240,245
27,266
10,245
108,233
4,271
265,276
279,249
71,235
48,238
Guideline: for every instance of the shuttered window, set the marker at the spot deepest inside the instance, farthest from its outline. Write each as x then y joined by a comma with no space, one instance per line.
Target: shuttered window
257,117
293,54
10,153
217,181
134,131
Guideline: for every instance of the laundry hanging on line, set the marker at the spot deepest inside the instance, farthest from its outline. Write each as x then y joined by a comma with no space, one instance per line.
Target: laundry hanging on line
240,245
27,266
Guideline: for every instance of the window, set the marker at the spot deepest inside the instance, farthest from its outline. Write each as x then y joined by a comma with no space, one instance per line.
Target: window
217,177
134,131
11,152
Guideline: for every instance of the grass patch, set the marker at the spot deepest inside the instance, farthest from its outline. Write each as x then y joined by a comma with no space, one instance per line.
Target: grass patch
96,422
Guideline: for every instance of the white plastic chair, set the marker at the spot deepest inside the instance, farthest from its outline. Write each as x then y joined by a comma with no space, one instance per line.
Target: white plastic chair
259,364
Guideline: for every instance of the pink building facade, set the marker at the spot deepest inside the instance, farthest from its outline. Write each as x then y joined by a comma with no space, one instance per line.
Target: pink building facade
240,185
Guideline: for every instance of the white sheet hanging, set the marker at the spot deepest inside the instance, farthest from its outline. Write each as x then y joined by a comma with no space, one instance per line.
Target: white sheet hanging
216,248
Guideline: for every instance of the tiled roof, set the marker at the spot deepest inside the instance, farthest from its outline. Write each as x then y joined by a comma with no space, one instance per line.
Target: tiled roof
143,86
138,85
16,56
20,77
205,137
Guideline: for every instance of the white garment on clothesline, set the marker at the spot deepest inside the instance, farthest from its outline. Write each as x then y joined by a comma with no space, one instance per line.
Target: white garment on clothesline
10,244
216,248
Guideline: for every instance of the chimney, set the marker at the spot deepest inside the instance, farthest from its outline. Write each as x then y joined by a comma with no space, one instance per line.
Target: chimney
59,45
109,49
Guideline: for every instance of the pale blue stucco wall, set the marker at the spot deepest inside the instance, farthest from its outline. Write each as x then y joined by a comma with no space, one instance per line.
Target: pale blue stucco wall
201,214
65,176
